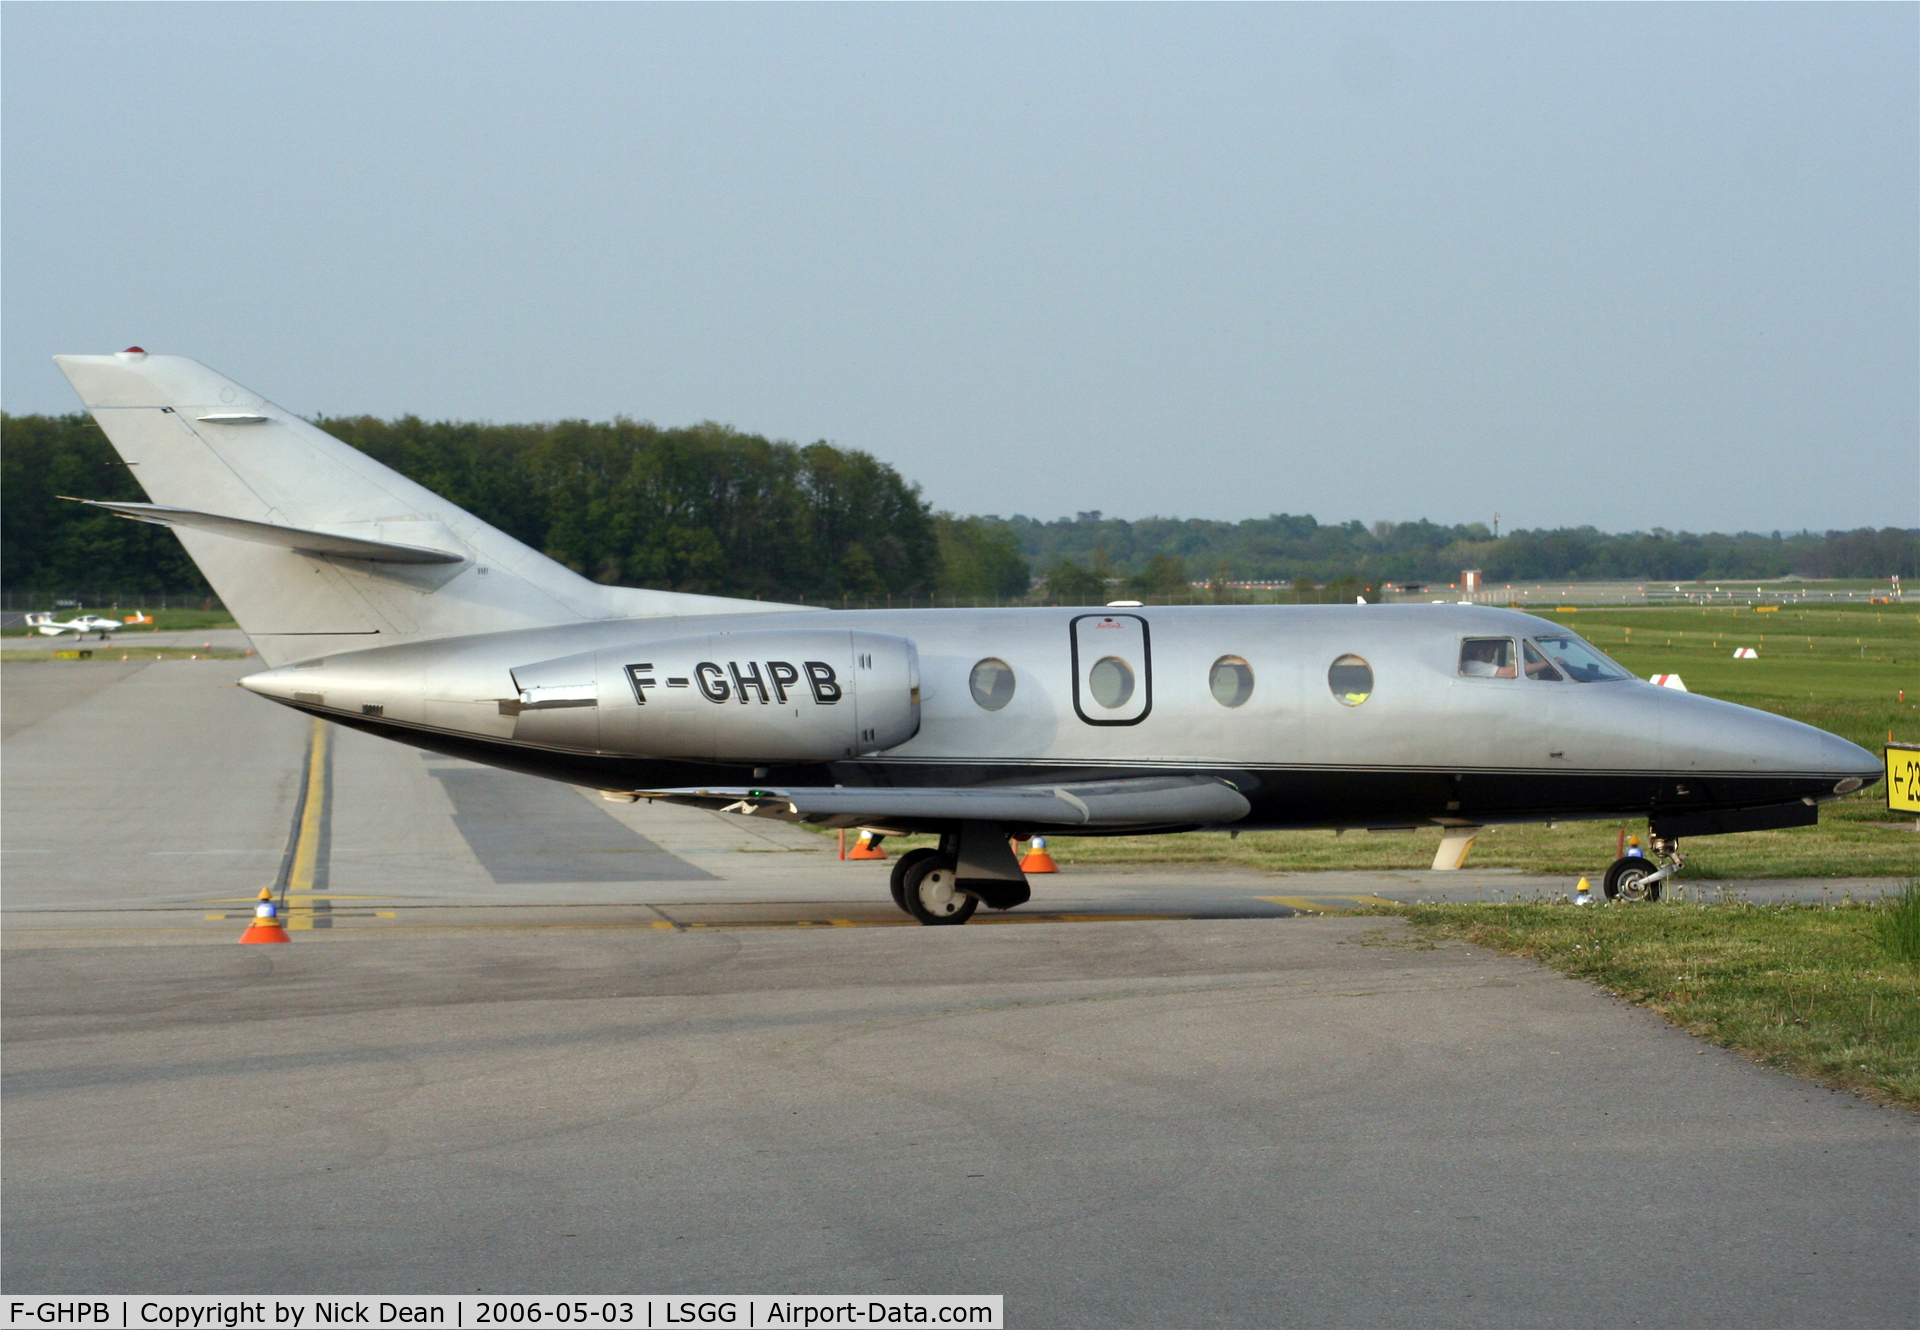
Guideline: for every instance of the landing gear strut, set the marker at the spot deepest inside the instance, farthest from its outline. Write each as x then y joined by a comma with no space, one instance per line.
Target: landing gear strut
1636,878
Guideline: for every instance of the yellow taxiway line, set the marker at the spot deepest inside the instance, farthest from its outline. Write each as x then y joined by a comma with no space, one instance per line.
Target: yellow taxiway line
306,848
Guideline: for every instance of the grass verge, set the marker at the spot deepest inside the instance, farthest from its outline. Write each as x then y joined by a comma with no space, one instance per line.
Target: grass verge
1828,992
1856,837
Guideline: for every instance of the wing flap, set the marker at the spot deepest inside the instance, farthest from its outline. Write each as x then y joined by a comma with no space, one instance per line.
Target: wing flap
1136,801
322,543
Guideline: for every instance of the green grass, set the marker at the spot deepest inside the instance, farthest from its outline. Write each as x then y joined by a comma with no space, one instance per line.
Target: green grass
1856,837
1841,668
1827,992
187,621
1898,926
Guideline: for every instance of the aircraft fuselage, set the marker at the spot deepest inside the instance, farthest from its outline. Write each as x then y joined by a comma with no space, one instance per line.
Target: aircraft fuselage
1253,695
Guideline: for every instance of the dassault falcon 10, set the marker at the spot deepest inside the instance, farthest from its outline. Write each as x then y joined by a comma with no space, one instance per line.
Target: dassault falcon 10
380,605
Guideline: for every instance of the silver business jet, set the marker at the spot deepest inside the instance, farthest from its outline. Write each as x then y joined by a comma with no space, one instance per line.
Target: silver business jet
379,605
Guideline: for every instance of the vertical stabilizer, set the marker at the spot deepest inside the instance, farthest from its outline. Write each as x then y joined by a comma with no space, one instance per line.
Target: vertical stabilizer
201,442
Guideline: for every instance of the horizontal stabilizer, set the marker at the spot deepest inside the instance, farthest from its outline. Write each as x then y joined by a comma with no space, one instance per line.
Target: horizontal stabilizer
286,537
1139,801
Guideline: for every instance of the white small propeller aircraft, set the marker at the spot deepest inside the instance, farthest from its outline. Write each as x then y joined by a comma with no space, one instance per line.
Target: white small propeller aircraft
86,623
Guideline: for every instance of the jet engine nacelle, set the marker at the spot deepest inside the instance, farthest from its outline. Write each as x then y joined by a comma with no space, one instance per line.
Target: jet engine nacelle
753,696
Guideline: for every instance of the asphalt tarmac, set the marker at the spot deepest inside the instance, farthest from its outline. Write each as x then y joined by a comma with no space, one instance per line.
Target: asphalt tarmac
526,1040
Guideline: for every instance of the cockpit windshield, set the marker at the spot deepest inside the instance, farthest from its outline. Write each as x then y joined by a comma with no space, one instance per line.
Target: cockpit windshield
1581,662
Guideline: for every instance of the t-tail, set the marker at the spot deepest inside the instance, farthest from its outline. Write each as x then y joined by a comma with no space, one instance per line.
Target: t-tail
314,547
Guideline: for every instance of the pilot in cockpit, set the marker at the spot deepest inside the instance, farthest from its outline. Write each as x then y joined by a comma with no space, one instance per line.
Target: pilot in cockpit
1487,658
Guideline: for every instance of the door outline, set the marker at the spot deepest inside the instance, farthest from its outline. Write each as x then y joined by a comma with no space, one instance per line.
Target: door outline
1146,667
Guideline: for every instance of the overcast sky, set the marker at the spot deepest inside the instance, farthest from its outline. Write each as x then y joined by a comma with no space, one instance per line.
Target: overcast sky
1634,266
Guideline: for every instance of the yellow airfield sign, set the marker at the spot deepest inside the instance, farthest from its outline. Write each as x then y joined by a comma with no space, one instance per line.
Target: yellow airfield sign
1903,778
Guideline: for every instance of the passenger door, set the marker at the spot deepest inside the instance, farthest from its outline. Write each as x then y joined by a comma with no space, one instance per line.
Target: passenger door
1112,669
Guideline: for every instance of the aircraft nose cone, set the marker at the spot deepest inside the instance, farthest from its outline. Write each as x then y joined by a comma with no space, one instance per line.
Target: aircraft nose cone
1706,734
1846,761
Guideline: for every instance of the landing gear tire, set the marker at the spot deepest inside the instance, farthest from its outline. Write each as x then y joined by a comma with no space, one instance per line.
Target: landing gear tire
1626,880
930,890
900,868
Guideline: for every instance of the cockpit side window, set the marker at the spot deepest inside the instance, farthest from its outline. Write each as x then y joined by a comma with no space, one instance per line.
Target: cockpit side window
1538,666
1487,658
1581,662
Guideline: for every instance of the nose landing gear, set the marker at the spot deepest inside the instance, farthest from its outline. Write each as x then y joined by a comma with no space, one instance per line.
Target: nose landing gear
1636,878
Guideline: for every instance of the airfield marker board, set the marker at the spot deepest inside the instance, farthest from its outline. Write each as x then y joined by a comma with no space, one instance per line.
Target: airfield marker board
1903,778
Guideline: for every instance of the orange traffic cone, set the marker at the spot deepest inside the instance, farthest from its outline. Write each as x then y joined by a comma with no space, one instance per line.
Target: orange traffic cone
865,848
1038,860
266,925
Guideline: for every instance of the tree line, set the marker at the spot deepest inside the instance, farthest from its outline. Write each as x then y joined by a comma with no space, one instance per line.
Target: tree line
703,509
1156,555
710,509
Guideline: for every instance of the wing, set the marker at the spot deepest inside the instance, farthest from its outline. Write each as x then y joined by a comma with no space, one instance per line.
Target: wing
1141,801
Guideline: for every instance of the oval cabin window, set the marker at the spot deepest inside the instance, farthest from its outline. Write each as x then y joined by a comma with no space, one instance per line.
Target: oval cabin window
1231,680
992,683
1111,682
1351,680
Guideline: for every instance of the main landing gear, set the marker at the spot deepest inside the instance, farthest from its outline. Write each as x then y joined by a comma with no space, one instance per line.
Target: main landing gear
926,886
973,867
1637,878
